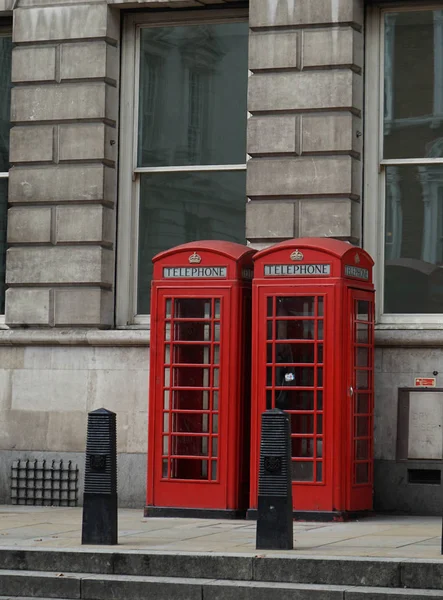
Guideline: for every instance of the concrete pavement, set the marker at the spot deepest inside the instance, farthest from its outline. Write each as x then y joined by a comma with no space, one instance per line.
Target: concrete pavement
54,528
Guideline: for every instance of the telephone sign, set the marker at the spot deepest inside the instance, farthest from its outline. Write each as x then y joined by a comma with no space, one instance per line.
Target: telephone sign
193,272
295,270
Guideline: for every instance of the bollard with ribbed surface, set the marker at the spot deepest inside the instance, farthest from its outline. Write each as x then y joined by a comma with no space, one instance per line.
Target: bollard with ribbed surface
100,494
274,514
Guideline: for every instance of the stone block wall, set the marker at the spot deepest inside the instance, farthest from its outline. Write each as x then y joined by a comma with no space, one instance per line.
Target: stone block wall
305,130
46,393
63,151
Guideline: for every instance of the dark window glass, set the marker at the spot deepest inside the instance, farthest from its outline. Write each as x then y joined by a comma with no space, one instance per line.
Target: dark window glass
413,128
176,208
413,84
414,239
192,97
5,108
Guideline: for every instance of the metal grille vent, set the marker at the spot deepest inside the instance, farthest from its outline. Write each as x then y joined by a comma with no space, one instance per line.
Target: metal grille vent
275,454
101,467
44,483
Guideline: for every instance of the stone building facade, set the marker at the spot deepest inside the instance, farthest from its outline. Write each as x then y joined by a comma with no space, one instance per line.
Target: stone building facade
83,112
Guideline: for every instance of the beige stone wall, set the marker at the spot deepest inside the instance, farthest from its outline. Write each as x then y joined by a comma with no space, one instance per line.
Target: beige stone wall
305,130
63,152
304,139
46,393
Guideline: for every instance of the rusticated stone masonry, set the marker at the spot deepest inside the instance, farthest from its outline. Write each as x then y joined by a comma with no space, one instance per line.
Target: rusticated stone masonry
304,139
62,184
305,130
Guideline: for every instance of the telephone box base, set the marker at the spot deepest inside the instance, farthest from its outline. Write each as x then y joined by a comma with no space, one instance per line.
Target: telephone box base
193,513
319,516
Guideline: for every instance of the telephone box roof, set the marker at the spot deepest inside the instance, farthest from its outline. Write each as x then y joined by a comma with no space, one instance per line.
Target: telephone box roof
229,249
331,246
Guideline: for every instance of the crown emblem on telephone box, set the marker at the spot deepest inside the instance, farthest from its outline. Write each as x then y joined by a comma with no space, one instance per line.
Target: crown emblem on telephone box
297,255
195,259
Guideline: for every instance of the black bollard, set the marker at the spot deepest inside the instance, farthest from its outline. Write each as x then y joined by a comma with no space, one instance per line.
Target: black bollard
100,495
274,514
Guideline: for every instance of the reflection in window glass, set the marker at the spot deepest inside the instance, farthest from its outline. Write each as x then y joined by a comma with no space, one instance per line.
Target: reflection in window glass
413,128
414,239
295,306
362,333
302,447
302,471
413,79
191,113
362,310
192,97
5,100
176,208
3,223
5,107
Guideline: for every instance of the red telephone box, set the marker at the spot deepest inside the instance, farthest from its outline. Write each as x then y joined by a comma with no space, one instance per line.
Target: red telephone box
313,356
199,392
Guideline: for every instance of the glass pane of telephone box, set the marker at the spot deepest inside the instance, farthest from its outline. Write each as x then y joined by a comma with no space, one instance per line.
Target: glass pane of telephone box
362,473
188,446
192,308
190,399
189,423
302,447
295,353
302,471
190,377
295,306
192,354
294,330
192,332
188,468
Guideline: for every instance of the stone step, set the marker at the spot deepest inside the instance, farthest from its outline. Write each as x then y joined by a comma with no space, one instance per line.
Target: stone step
283,568
34,584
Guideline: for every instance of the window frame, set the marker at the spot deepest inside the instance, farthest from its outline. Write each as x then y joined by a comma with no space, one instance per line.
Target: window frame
129,172
375,166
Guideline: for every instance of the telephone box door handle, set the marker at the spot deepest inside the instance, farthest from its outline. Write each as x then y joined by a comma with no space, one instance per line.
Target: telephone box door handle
351,391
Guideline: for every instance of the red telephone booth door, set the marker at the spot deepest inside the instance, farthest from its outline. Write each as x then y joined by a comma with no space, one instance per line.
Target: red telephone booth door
299,330
191,415
360,379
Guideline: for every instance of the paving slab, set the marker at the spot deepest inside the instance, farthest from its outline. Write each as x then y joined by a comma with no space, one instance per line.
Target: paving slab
378,536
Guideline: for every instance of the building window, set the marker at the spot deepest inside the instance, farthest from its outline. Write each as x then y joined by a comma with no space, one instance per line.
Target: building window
404,161
187,178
